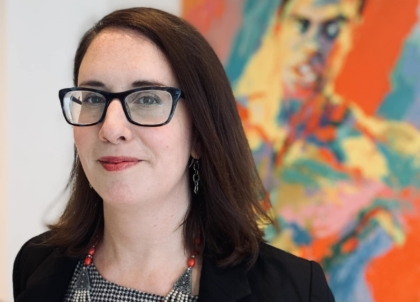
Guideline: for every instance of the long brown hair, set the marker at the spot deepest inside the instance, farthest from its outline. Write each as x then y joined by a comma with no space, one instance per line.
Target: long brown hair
225,211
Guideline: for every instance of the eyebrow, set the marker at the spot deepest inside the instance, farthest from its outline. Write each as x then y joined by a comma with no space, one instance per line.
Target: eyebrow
146,83
135,84
92,83
339,17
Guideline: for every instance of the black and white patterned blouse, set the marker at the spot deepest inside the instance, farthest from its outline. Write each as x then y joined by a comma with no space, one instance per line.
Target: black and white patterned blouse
102,290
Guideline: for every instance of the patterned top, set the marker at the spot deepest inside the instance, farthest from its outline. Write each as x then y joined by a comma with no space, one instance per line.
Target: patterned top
102,290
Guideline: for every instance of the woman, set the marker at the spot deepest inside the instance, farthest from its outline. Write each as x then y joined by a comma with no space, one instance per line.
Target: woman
165,195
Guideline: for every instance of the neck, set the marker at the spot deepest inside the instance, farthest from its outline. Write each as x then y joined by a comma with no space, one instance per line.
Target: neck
142,247
140,233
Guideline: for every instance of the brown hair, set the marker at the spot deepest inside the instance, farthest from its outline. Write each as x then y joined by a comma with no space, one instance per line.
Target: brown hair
226,209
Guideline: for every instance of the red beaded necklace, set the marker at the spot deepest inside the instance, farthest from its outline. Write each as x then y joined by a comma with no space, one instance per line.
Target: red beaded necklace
190,261
181,290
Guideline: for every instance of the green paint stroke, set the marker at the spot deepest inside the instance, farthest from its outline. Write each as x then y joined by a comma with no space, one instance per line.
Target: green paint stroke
403,169
310,173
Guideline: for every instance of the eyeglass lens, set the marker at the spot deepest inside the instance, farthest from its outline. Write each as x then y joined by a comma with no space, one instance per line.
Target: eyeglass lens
147,107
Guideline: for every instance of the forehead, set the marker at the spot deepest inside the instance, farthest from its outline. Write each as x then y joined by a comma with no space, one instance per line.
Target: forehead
322,9
125,55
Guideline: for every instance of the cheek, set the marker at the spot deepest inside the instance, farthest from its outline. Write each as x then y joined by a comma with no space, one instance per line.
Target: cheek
78,136
82,139
291,39
169,142
173,142
183,128
326,45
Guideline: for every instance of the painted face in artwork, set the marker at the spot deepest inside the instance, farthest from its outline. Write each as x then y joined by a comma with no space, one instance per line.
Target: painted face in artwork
314,39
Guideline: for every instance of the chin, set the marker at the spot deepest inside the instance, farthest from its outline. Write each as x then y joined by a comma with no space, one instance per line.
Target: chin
305,94
120,202
118,195
302,94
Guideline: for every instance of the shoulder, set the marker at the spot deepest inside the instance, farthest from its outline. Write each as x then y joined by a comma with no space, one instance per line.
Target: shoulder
281,262
31,255
270,253
283,273
33,252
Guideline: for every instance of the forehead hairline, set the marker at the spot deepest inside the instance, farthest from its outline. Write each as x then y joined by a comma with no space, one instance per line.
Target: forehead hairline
130,33
331,7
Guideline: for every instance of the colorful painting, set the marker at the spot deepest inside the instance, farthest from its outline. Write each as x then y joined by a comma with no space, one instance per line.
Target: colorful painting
329,95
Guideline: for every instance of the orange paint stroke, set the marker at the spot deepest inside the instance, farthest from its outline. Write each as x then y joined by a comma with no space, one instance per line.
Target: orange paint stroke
350,245
325,134
395,276
202,13
244,115
365,77
319,249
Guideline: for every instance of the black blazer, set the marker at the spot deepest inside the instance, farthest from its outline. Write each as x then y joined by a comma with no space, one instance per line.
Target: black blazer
41,274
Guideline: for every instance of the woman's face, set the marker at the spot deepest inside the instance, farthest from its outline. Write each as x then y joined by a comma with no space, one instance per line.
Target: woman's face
125,163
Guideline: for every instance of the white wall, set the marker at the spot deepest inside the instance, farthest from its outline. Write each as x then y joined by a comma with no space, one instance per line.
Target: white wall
3,184
40,38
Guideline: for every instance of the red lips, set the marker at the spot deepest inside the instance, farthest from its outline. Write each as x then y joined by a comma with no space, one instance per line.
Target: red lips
118,163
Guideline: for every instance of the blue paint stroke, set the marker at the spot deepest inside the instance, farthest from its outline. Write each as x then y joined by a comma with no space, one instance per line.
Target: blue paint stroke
347,277
405,82
301,237
257,15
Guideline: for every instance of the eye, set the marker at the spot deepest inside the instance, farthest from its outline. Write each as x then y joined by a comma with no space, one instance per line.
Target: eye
302,25
331,29
93,99
147,100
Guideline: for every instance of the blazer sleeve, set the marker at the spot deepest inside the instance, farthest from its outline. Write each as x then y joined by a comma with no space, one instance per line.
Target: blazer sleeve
319,289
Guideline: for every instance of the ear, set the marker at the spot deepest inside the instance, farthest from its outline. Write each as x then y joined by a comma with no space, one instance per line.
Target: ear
195,146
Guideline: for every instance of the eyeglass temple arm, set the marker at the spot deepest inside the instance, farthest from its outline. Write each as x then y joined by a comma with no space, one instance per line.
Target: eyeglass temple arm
73,99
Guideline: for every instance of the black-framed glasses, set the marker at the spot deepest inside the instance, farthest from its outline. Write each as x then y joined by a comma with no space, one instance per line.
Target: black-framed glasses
146,106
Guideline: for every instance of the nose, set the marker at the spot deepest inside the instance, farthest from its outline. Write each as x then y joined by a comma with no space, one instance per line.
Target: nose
312,41
115,128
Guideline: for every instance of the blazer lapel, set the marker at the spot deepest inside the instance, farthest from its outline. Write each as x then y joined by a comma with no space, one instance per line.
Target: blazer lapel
50,281
222,284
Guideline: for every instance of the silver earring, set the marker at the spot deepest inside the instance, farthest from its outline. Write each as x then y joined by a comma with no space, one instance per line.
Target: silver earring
196,176
90,186
191,162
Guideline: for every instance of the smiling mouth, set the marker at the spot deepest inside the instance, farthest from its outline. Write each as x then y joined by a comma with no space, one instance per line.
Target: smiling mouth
307,75
118,163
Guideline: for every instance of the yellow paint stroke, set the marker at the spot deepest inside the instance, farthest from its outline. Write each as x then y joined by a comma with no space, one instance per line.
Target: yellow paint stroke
362,154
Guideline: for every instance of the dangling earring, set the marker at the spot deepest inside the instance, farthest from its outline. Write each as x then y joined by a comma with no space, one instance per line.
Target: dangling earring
196,175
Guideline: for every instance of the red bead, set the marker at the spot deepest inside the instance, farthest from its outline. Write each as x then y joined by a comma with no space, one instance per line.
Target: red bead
191,262
91,251
88,260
